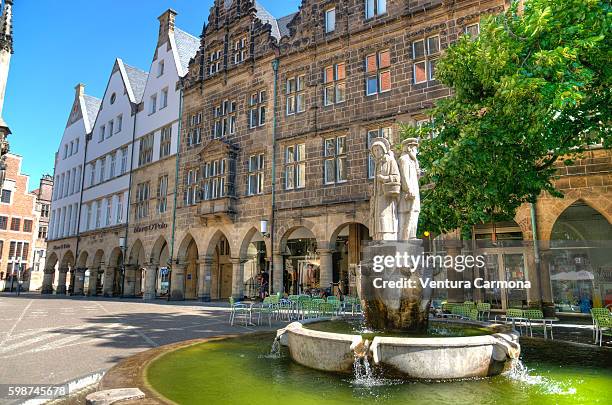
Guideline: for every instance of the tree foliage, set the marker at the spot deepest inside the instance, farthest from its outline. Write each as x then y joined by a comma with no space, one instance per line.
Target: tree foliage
531,90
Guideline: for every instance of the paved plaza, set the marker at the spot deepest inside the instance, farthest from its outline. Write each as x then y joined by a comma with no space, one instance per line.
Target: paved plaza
56,339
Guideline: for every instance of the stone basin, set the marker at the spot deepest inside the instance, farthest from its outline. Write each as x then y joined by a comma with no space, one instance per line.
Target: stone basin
436,358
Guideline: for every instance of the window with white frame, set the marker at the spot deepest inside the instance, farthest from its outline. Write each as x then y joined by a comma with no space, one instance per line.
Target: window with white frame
78,178
113,164
257,109
335,84
224,119
153,104
378,72
124,159
88,214
160,68
109,211
335,160
119,208
214,61
101,133
165,141
98,213
65,151
296,96
425,53
76,145
190,196
473,30
102,174
295,166
330,20
240,50
111,129
256,174
194,134
374,8
164,98
119,123
18,250
214,183
145,154
92,173
383,132
162,194
142,200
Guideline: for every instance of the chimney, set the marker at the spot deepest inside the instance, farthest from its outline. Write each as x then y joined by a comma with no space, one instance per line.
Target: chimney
79,89
166,25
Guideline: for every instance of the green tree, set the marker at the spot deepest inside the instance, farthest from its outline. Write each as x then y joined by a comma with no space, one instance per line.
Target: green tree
531,90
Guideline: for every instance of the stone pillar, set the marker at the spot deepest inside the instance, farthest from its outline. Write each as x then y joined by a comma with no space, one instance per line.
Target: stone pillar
150,281
93,282
278,267
177,282
47,286
61,281
78,287
548,302
326,270
204,278
129,280
453,248
109,281
237,278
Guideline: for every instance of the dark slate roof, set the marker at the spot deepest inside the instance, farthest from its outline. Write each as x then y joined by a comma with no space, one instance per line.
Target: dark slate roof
137,79
92,105
186,45
283,23
265,17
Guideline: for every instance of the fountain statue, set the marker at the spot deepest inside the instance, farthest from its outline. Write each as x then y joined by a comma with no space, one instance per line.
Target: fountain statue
403,308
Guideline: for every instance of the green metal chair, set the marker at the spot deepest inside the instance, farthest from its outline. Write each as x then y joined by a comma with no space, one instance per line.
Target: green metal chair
604,326
266,308
514,314
240,309
595,312
536,315
483,308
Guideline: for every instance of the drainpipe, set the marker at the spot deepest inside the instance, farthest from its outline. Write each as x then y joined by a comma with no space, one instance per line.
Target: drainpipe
275,64
129,202
536,251
176,180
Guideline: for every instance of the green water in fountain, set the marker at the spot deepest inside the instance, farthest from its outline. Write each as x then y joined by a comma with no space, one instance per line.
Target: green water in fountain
438,328
241,371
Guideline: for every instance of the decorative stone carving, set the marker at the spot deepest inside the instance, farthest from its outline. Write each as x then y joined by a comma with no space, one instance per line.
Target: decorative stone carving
410,199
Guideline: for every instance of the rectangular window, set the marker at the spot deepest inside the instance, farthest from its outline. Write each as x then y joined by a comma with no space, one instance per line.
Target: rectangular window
92,173
165,141
330,20
98,213
214,62
111,129
256,174
164,98
295,166
119,123
224,119
160,68
113,164
215,180
335,163
374,8
65,151
42,232
102,175
6,196
44,213
27,225
142,200
162,194
425,52
191,187
15,224
257,109
3,222
146,150
153,104
473,30
378,73
109,211
101,134
119,208
335,84
76,145
240,50
373,134
124,159
296,96
88,224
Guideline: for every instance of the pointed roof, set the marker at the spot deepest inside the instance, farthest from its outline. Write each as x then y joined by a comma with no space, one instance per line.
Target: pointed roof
267,18
92,106
137,79
283,24
186,45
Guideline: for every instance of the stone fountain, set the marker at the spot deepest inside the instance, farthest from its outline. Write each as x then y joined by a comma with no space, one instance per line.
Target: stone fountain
394,212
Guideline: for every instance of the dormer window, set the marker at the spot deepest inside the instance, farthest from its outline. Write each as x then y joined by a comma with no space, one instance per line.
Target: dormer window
240,50
214,60
375,8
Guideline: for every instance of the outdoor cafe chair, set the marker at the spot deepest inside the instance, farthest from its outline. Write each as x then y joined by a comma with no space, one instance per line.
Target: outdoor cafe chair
483,308
240,309
265,308
595,312
604,325
536,316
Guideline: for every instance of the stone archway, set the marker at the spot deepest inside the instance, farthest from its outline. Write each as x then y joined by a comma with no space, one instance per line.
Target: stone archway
226,276
346,244
114,274
133,272
49,276
184,273
254,253
96,274
299,262
157,276
81,275
66,266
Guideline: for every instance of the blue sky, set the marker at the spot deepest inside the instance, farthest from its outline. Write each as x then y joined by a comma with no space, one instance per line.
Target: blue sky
60,43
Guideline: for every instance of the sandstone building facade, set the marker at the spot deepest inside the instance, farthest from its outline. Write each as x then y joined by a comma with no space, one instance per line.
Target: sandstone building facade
272,166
